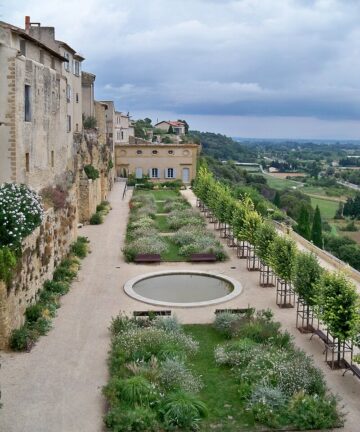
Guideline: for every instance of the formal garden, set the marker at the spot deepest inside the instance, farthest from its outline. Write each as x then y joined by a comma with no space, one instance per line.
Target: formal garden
162,222
327,303
241,373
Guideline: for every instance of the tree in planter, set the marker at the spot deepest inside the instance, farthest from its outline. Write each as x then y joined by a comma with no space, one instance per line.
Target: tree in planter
338,307
306,277
303,223
282,260
251,223
264,237
316,231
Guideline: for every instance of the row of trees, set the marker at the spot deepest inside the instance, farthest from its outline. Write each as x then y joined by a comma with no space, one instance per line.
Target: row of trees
331,295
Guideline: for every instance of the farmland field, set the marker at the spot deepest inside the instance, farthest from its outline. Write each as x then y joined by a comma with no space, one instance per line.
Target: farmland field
327,207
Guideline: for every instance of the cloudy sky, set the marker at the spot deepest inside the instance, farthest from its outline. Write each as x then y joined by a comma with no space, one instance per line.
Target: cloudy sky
250,68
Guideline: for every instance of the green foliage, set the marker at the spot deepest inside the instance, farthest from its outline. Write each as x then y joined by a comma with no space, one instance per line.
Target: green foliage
316,230
96,219
7,264
282,257
225,323
89,122
264,236
183,410
138,419
80,247
175,375
276,199
303,223
312,412
91,172
338,305
34,312
21,212
306,276
20,339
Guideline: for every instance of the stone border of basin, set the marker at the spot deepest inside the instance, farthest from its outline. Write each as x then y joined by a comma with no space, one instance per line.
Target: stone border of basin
128,288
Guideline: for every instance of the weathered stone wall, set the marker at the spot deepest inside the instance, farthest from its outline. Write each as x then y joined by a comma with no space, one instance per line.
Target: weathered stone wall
90,195
41,252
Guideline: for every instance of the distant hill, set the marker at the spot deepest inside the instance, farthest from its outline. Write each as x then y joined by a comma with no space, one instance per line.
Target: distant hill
223,147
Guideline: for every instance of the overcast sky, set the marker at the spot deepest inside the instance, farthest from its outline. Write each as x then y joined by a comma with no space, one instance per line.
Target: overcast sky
251,68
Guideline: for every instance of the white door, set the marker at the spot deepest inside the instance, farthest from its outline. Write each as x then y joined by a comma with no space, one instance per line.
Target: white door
186,175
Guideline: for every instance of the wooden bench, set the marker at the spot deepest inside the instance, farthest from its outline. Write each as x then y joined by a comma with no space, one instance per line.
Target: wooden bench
202,257
351,367
235,311
147,258
323,337
152,313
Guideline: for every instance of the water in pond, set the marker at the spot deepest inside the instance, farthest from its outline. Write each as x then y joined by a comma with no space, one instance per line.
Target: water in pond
183,288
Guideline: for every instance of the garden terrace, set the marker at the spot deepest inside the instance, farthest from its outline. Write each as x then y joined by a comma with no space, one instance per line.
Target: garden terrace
163,223
240,373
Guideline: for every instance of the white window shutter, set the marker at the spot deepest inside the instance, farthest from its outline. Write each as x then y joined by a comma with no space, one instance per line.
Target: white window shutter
174,173
150,173
166,173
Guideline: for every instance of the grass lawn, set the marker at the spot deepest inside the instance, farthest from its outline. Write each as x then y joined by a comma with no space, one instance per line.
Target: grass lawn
327,208
162,223
281,184
172,253
220,392
164,194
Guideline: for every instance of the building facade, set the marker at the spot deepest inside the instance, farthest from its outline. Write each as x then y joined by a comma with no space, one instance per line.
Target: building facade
160,162
33,110
178,127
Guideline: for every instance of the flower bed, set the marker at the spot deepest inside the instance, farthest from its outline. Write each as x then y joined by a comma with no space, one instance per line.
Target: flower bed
190,234
151,386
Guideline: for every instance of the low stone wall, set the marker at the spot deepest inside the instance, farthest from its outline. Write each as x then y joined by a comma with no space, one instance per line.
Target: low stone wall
42,250
326,256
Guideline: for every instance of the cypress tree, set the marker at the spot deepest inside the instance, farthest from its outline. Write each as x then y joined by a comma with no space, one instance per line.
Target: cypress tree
316,232
277,199
303,225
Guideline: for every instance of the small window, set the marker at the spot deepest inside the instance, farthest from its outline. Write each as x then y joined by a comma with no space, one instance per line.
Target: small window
154,173
68,92
69,123
52,158
41,56
170,173
27,162
27,102
23,47
76,68
138,173
138,151
171,152
77,97
154,152
122,135
52,62
67,63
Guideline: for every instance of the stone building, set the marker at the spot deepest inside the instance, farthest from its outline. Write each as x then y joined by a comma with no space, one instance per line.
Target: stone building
88,95
178,127
33,110
159,161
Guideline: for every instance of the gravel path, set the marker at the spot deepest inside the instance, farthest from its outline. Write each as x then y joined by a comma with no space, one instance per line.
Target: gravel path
57,387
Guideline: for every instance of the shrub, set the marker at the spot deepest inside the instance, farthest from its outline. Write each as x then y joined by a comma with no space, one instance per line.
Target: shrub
152,244
224,323
65,271
55,196
96,219
122,323
91,172
20,213
20,339
169,324
7,264
34,312
312,412
137,419
237,353
56,287
183,410
89,122
174,375
80,247
41,327
134,391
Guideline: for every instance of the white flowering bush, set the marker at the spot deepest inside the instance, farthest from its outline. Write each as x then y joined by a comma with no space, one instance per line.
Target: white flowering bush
180,218
152,244
175,375
169,324
21,212
142,222
175,204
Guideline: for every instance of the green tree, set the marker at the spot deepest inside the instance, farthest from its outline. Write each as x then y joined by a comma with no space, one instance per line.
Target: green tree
186,125
307,275
171,130
316,231
303,223
338,307
282,257
264,236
